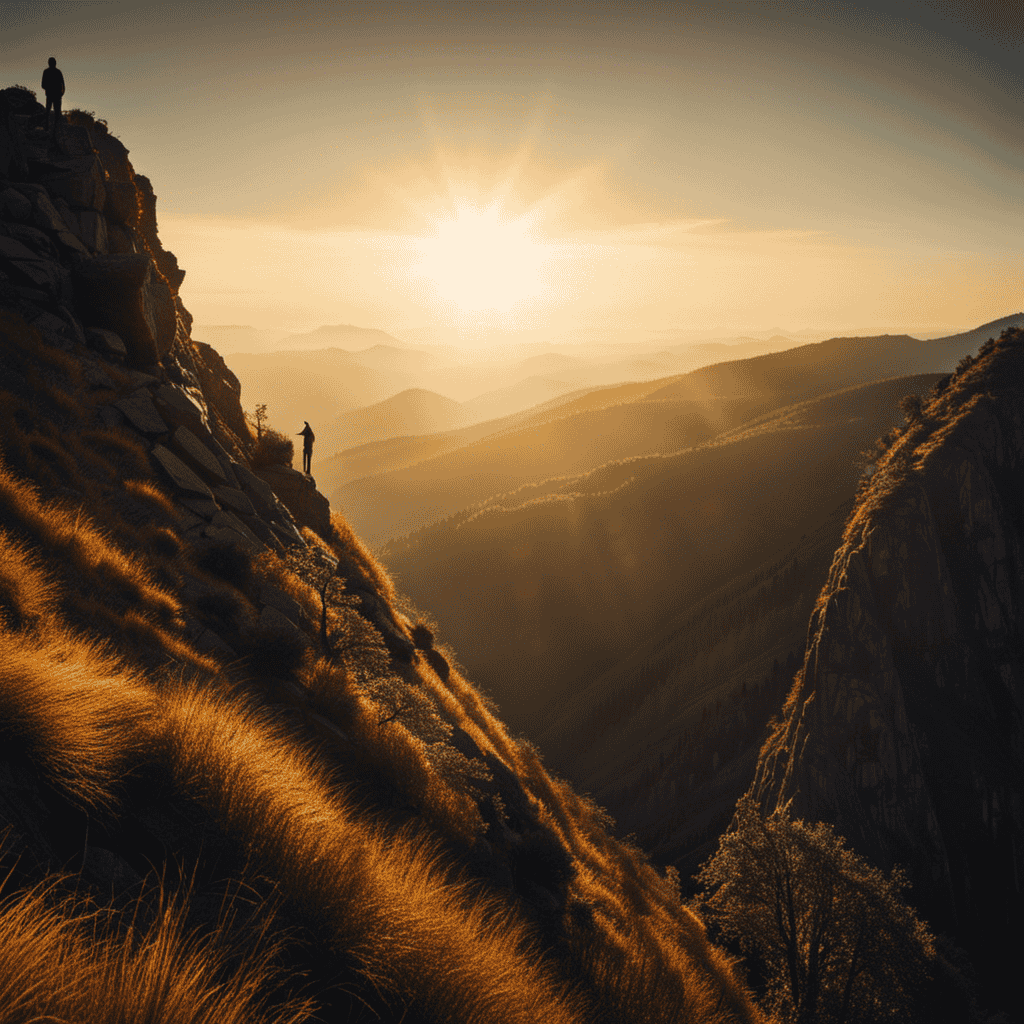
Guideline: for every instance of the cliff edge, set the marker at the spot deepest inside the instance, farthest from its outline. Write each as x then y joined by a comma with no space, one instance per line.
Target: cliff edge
905,725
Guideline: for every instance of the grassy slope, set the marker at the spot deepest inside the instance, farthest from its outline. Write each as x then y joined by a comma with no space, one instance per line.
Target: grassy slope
366,831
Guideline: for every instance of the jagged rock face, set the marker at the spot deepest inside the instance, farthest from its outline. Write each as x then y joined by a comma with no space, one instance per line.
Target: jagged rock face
81,262
905,727
298,492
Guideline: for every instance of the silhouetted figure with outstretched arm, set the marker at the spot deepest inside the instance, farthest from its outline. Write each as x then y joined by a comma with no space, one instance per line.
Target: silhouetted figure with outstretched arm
308,437
53,86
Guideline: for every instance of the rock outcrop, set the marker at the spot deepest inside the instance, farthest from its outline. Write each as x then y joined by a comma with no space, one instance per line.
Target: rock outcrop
905,726
81,263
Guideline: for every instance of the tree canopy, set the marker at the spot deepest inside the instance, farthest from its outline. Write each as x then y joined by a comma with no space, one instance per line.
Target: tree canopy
832,934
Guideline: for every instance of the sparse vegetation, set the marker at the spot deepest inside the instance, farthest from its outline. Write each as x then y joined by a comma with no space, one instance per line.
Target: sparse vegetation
831,936
272,448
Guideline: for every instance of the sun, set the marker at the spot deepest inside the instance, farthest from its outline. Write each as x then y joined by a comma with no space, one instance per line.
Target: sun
482,260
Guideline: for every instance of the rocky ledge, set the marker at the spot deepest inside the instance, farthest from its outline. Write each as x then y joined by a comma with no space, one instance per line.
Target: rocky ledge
82,265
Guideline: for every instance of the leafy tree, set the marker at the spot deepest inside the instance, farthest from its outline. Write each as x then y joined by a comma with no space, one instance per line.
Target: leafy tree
832,934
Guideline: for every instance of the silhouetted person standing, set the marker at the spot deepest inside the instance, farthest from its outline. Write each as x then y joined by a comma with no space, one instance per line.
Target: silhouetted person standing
308,437
53,86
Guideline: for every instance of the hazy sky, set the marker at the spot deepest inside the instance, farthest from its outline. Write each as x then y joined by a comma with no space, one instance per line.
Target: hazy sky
471,167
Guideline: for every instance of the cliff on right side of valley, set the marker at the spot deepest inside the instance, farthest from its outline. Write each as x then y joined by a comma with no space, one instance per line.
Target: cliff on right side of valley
905,725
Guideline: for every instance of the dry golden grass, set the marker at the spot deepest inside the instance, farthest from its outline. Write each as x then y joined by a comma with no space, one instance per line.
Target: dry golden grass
27,594
355,559
72,712
66,961
152,494
68,534
421,941
120,447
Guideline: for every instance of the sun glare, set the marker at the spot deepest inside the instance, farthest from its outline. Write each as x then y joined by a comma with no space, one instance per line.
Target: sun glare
480,260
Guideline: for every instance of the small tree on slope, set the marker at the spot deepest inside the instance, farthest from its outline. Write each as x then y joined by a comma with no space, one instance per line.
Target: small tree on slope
832,933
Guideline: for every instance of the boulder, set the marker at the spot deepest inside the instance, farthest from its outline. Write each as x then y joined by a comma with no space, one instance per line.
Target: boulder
180,475
125,294
225,520
200,506
91,229
300,496
139,410
195,454
14,206
45,216
110,417
80,184
29,266
71,244
264,531
107,343
119,239
267,504
230,497
221,388
178,407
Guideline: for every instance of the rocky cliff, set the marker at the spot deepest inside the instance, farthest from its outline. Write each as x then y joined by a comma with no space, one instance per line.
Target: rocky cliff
213,707
905,726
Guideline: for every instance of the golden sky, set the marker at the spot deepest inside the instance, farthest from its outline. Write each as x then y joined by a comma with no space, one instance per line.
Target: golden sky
465,170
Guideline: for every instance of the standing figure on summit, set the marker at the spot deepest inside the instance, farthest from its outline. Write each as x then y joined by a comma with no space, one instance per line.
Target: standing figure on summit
308,437
53,86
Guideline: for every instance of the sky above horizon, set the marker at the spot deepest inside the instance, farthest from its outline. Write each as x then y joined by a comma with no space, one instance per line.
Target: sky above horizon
470,171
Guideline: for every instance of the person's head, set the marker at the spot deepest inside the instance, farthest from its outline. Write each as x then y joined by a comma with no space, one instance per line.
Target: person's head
53,62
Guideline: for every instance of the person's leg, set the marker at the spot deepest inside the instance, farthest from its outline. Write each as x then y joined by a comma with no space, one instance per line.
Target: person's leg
56,109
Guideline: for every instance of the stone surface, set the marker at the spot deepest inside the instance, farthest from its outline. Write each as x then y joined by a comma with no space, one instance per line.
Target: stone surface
905,727
264,531
14,206
201,506
178,407
125,294
221,388
29,265
234,499
110,417
138,408
45,215
188,518
299,495
197,455
80,184
71,243
107,342
180,475
227,520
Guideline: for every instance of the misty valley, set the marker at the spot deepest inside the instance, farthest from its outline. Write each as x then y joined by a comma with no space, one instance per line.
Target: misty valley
657,678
